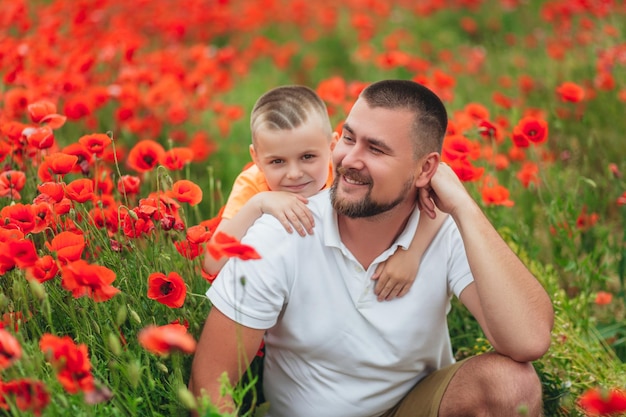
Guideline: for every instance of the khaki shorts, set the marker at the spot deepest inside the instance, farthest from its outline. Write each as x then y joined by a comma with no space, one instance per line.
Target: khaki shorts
424,399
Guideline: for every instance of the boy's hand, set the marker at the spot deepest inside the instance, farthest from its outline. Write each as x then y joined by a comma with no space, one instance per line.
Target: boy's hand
393,278
289,208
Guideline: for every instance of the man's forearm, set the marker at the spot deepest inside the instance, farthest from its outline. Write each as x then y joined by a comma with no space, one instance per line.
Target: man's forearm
518,313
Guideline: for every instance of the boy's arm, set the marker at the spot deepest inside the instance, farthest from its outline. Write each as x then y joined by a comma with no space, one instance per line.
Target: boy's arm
396,275
289,208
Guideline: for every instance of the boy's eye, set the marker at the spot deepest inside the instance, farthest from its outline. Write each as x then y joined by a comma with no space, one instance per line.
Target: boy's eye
308,156
276,161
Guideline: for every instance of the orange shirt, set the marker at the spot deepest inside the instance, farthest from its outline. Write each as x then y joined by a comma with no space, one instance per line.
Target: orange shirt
250,182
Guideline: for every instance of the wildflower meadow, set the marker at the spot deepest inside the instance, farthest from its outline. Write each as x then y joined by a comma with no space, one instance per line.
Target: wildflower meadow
123,124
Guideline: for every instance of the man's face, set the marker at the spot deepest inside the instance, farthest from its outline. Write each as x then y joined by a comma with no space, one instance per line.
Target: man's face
374,162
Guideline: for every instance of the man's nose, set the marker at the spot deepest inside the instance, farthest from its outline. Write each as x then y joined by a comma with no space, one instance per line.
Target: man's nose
352,158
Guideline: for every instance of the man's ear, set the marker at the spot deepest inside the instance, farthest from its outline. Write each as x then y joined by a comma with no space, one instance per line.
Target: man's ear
333,141
426,168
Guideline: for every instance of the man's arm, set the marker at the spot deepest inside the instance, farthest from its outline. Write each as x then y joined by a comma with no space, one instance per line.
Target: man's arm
513,309
224,346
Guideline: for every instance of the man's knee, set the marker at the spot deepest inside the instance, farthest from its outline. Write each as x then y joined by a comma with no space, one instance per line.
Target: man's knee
492,384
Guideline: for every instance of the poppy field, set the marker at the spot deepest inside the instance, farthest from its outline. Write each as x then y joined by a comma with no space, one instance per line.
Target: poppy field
124,123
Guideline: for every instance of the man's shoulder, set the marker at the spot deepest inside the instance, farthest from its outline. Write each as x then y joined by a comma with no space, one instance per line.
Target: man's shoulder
269,229
320,202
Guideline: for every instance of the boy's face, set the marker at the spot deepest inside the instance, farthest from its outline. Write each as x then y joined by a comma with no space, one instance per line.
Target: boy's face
295,160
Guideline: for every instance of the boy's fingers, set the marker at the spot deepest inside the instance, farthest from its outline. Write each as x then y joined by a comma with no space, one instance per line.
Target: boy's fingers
403,292
395,292
285,222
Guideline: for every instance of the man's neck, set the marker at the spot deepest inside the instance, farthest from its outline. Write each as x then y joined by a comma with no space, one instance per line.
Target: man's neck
368,237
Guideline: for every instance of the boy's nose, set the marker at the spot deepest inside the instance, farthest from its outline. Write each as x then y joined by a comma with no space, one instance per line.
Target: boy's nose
294,172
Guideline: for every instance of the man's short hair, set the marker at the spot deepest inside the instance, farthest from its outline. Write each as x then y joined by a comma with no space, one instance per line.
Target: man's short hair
431,118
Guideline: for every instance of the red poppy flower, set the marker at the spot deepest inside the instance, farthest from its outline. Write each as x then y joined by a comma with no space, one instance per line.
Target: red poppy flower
13,179
128,185
29,395
95,143
529,173
78,150
225,245
44,269
60,163
585,221
80,190
202,146
603,298
135,225
105,217
68,246
495,194
145,155
78,106
533,129
16,102
40,109
169,290
20,215
84,279
162,340
23,252
62,207
45,112
187,249
10,349
39,137
186,191
621,200
71,362
603,402
332,90
459,146
571,92
176,158
11,183
199,234
464,169
43,215
12,319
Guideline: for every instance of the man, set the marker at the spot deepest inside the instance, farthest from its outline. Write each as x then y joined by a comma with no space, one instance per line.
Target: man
331,349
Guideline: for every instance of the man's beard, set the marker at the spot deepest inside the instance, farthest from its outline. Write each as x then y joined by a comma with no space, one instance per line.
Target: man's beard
366,207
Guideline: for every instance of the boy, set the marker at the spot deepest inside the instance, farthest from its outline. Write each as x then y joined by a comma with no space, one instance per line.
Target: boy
292,140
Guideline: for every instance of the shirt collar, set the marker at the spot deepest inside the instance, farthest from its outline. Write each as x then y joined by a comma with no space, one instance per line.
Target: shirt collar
331,229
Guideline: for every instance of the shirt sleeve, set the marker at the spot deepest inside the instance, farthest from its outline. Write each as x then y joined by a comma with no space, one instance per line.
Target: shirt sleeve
254,292
246,185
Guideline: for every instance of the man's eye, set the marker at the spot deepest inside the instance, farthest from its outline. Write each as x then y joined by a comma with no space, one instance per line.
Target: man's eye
347,139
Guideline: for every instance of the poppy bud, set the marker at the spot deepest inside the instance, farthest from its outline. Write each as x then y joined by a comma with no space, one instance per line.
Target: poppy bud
122,314
114,344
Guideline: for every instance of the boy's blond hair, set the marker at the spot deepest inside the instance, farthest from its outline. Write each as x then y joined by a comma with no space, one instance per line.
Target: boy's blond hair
288,107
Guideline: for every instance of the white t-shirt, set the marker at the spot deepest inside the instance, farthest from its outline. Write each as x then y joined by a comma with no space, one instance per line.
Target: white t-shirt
332,349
